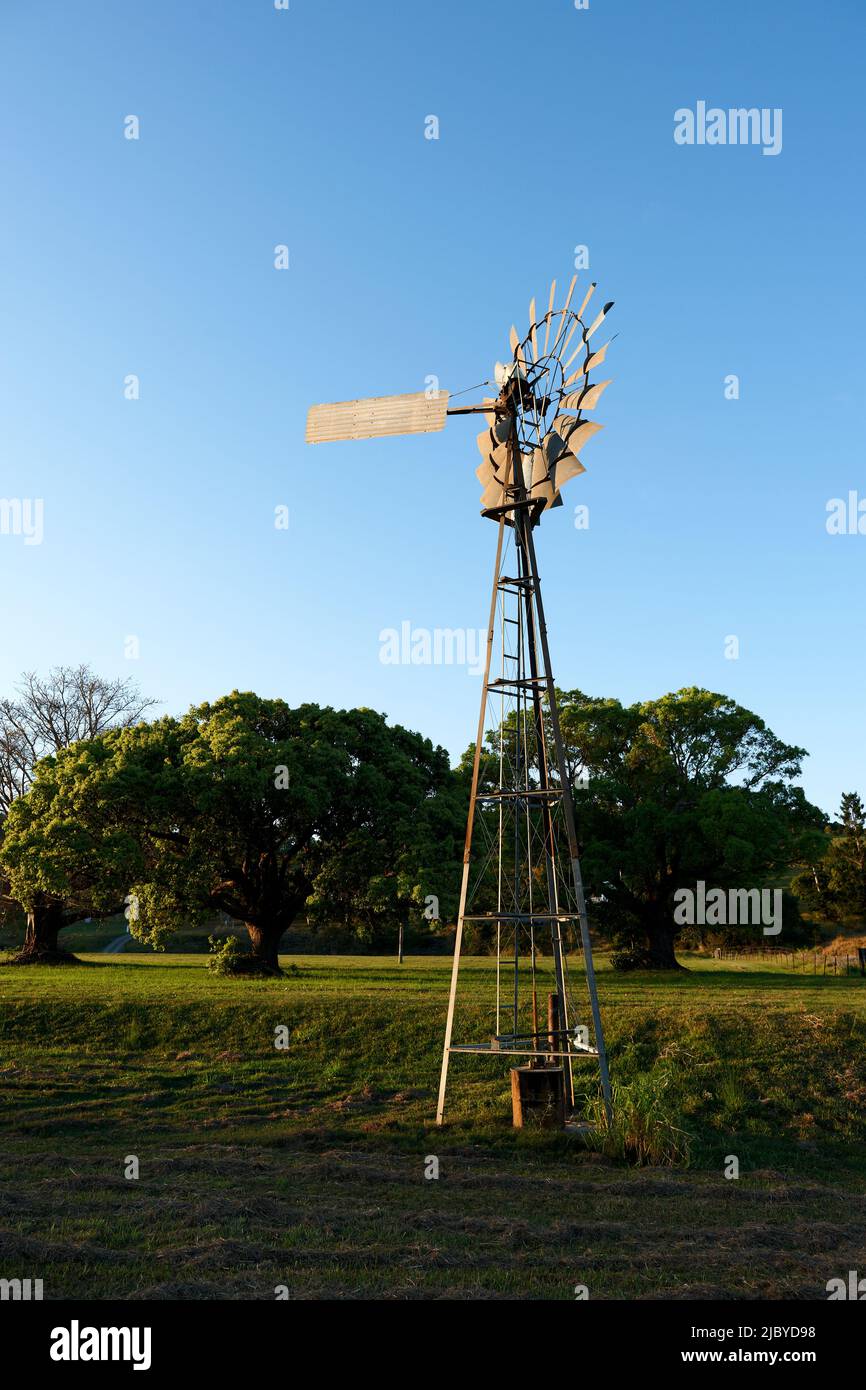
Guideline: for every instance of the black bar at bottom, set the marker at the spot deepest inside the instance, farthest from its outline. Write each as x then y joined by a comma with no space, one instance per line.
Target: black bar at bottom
230,1337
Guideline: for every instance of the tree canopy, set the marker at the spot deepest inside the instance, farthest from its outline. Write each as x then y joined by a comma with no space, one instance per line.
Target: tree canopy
685,788
267,813
244,806
669,792
47,714
833,877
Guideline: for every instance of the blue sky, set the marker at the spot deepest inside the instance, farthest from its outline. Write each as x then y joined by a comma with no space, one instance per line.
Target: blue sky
411,257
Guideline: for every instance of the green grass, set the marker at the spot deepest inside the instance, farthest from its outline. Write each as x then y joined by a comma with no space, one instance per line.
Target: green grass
306,1167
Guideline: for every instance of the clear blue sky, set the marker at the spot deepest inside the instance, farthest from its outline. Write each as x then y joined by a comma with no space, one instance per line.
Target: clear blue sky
412,257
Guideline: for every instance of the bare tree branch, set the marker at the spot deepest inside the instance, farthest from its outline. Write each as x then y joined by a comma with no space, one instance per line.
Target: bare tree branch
48,713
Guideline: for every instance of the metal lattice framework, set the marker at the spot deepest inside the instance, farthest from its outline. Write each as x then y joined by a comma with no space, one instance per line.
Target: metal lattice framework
521,891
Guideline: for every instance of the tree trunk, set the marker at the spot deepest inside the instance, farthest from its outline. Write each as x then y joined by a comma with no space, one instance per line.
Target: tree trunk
44,921
264,942
660,938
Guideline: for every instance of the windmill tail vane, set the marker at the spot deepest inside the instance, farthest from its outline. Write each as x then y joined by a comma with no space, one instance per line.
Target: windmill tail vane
521,897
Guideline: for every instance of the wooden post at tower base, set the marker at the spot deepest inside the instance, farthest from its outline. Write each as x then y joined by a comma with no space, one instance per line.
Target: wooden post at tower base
538,1097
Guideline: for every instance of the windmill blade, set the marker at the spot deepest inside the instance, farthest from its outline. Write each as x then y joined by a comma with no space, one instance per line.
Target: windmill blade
579,433
533,329
493,495
571,428
491,451
377,416
568,339
583,370
593,394
597,322
548,319
569,296
568,467
565,308
545,492
587,297
513,339
598,357
539,471
541,485
554,447
580,375
586,399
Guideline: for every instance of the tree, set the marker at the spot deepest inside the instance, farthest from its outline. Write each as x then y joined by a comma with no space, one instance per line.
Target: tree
669,792
46,715
374,885
244,806
686,788
833,879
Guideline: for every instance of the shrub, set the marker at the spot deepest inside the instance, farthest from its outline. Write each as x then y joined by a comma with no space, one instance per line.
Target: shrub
225,955
644,1130
629,958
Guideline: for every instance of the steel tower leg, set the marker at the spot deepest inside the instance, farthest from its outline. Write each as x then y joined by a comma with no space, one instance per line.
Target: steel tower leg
571,831
523,527
467,851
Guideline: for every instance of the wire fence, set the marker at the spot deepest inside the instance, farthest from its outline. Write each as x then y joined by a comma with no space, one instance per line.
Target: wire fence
806,961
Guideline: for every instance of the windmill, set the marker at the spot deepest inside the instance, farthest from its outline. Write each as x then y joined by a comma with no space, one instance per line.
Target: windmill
521,891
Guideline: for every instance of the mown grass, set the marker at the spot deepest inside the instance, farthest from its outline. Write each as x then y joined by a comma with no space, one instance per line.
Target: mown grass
306,1167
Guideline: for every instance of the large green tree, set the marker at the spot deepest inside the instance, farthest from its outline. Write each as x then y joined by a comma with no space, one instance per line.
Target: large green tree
45,715
245,806
669,792
685,788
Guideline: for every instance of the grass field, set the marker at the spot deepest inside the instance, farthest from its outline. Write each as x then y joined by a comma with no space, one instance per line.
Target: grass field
306,1168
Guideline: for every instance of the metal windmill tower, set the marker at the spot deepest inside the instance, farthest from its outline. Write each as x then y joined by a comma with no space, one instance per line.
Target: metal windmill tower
521,888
